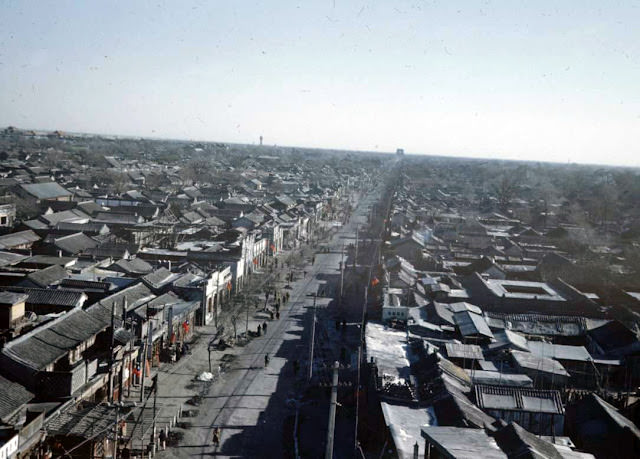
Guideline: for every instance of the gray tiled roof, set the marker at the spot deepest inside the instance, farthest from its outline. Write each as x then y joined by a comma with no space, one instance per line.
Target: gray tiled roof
12,298
75,243
48,276
9,241
12,397
48,190
47,344
57,297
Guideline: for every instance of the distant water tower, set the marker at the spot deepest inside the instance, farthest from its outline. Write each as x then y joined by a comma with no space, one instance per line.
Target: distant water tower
260,140
400,151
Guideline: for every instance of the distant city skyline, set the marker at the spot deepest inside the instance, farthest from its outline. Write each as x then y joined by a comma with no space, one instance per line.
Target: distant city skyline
509,80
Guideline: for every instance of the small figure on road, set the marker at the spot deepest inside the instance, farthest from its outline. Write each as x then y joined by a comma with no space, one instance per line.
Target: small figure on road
259,330
305,273
266,360
277,315
264,327
271,315
287,297
216,436
278,306
163,439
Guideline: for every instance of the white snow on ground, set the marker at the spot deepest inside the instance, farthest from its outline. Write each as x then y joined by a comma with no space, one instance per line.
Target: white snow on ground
388,347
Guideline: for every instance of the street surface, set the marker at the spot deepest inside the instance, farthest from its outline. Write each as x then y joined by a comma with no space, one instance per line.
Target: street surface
252,404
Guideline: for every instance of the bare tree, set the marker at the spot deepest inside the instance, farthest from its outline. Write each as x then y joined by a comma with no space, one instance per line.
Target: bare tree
505,190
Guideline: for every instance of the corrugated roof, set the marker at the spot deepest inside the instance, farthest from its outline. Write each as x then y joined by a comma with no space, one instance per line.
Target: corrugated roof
518,399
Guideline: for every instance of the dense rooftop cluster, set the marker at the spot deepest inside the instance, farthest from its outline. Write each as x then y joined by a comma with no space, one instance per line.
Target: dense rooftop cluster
109,246
506,313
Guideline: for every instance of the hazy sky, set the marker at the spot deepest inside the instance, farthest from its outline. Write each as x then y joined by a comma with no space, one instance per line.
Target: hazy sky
548,80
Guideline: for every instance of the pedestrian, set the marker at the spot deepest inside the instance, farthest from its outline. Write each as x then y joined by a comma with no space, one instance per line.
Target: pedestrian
271,315
216,436
264,327
277,315
278,306
259,330
266,360
287,297
163,439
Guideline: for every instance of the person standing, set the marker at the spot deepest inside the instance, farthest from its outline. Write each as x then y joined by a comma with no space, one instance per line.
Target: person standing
216,436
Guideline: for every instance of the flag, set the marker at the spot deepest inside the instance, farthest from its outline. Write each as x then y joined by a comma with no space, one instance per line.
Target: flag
375,282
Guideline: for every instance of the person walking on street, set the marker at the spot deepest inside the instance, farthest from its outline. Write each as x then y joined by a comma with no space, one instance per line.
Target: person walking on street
163,439
216,436
266,360
264,327
277,315
259,330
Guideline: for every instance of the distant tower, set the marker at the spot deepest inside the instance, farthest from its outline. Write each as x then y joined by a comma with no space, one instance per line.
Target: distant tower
260,140
400,152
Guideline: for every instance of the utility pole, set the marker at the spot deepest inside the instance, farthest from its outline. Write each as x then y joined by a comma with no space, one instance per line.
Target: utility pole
144,368
355,261
155,398
217,300
332,412
113,333
246,327
125,354
341,275
115,435
358,395
313,336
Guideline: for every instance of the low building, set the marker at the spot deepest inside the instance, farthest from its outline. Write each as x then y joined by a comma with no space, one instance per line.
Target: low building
539,411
